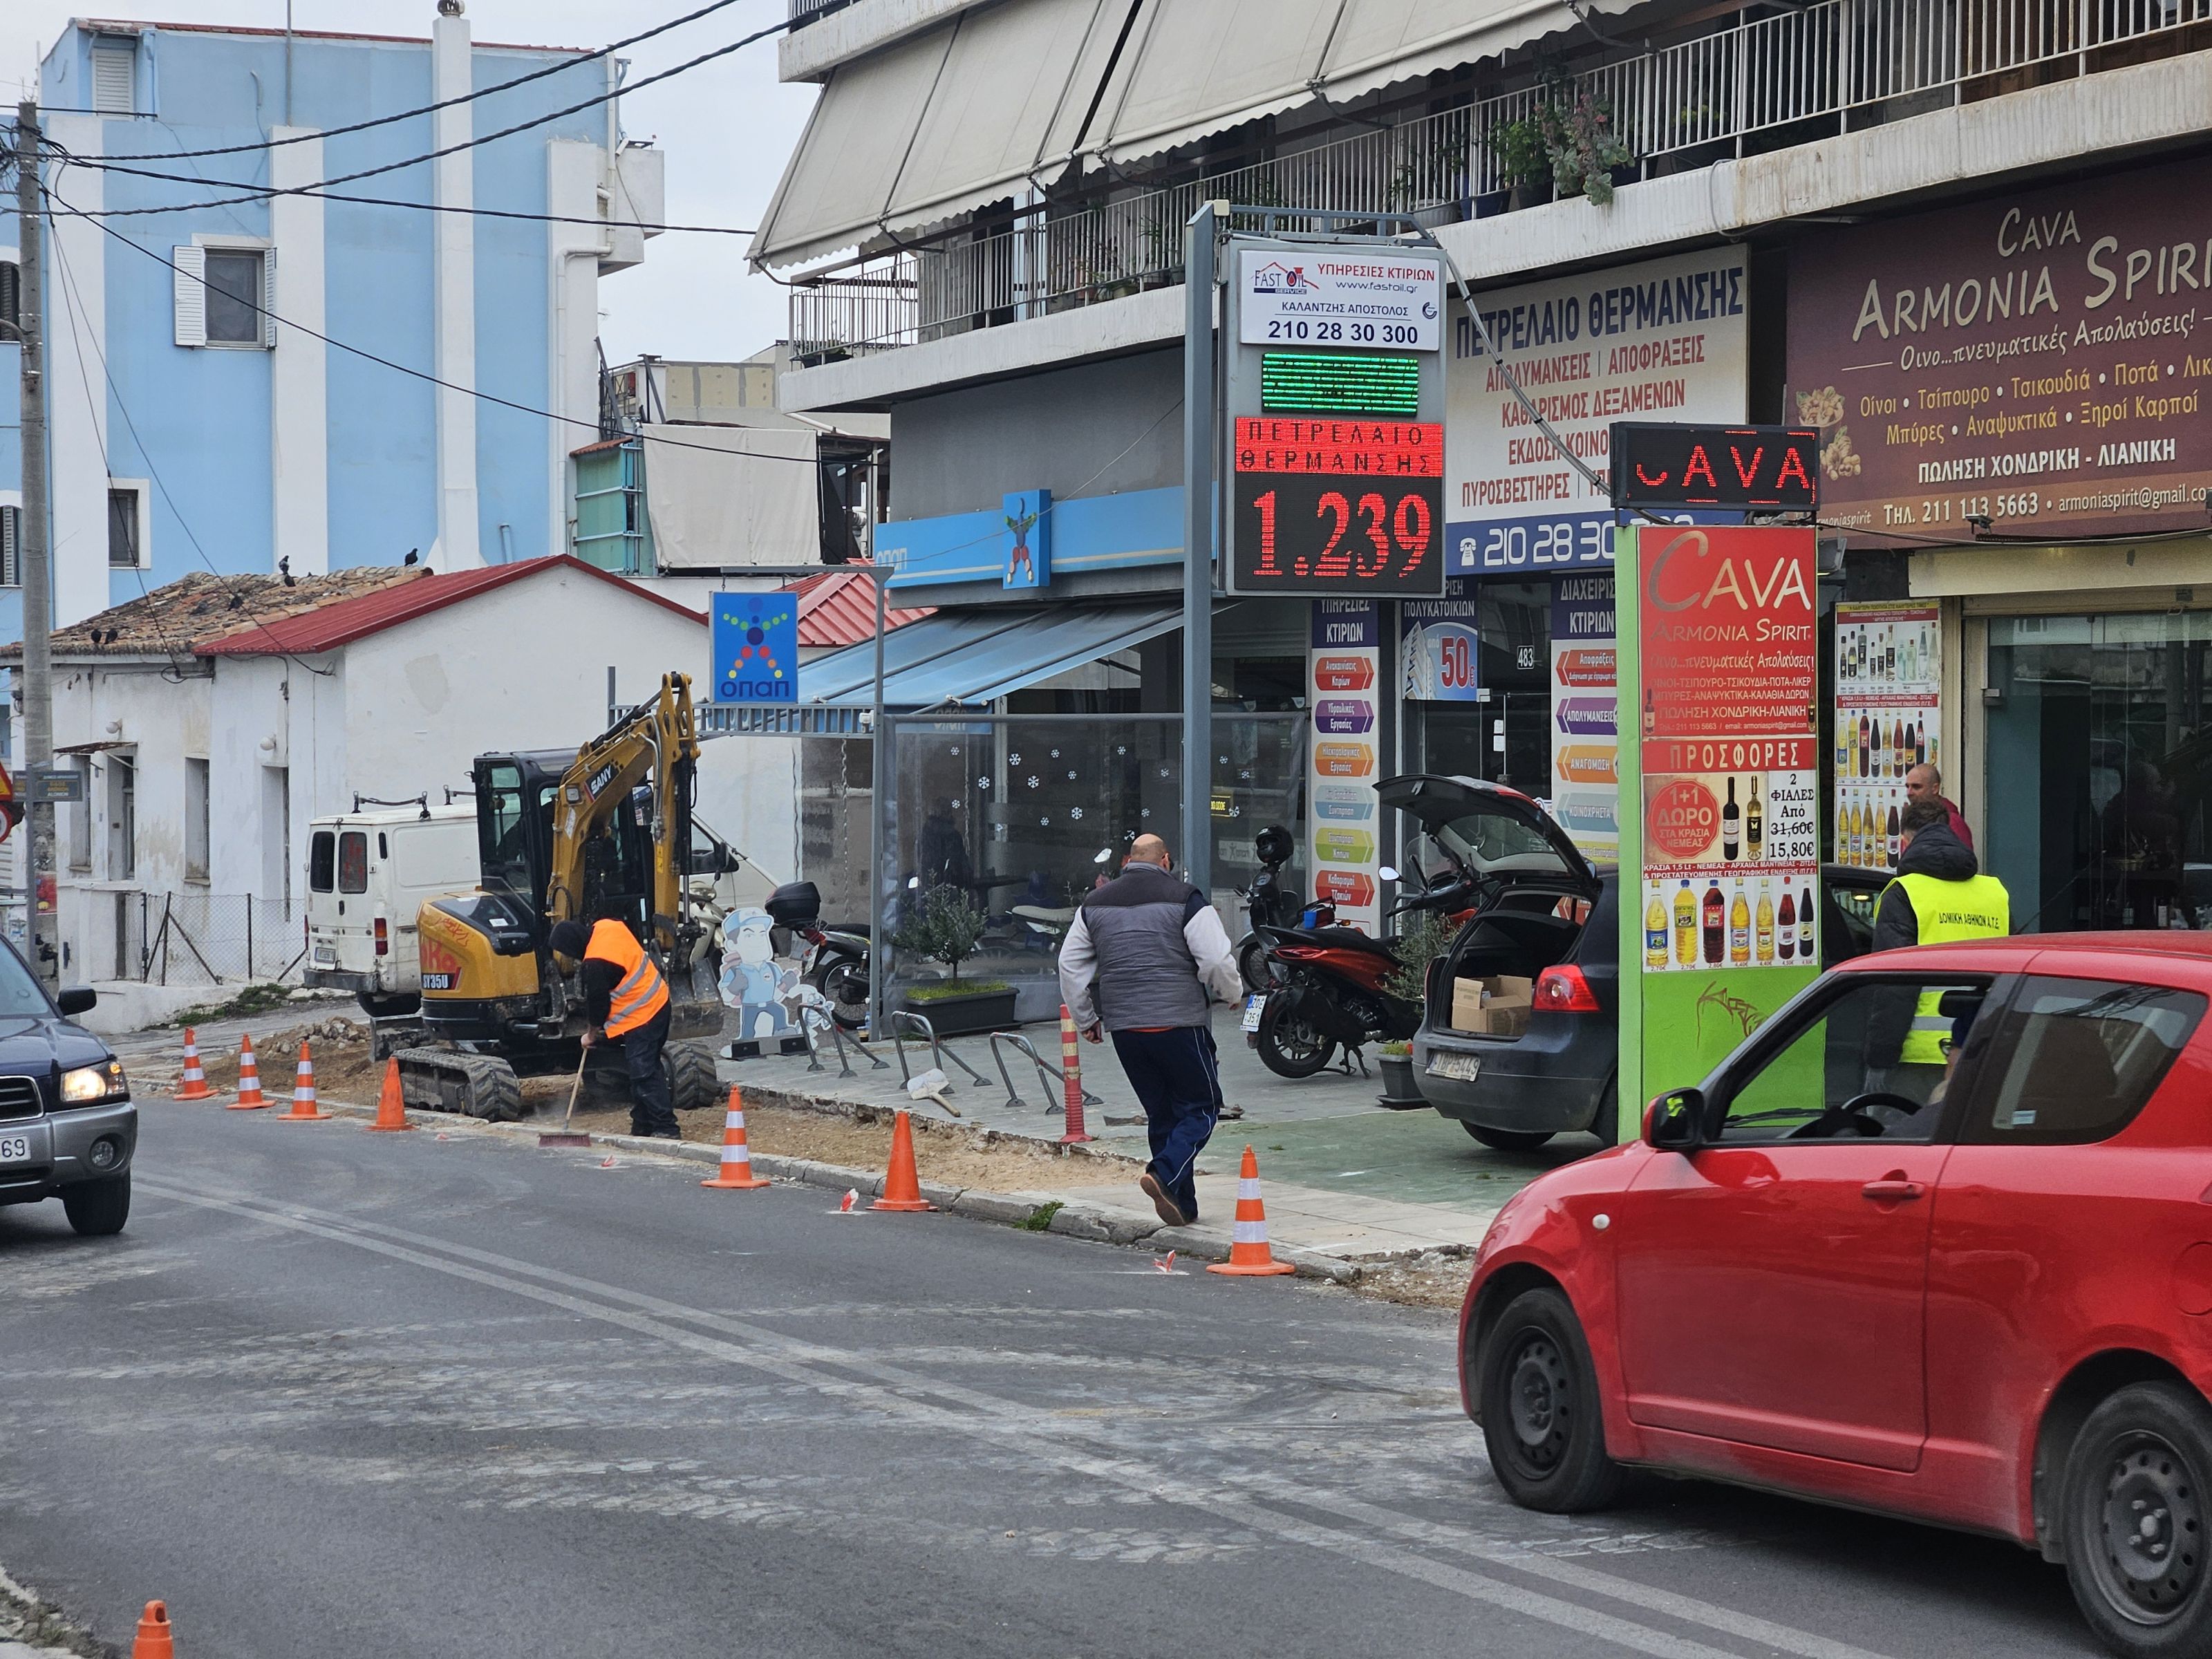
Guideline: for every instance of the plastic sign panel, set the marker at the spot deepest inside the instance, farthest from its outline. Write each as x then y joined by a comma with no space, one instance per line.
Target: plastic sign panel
1027,513
1336,506
1723,772
1344,681
1888,718
1440,647
755,640
1585,716
1374,298
1761,469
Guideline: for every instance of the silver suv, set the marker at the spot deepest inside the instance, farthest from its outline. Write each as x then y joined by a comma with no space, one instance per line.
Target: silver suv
66,1126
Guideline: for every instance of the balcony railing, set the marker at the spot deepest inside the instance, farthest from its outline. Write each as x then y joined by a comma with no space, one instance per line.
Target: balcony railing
1844,63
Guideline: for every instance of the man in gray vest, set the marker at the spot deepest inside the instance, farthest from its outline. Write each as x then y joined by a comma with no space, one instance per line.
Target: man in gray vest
1140,960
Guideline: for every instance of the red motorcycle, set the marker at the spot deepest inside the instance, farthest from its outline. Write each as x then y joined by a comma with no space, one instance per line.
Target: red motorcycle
1329,988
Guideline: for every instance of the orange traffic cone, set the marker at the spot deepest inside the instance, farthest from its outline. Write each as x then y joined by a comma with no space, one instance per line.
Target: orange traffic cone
737,1170
249,1079
304,1107
1248,1249
154,1641
192,1085
902,1185
390,1107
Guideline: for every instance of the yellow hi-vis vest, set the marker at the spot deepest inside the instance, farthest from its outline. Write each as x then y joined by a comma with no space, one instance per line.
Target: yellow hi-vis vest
642,993
1977,907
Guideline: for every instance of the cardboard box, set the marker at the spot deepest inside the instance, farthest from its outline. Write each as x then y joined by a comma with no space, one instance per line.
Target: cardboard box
1498,1006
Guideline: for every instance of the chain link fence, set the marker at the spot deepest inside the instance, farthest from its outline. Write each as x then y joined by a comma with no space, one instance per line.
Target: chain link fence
207,938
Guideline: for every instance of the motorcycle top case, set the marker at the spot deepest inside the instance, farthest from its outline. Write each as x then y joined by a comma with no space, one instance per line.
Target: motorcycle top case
794,904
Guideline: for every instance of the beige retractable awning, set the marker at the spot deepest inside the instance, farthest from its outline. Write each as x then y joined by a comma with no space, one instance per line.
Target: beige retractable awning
1380,43
1197,67
934,126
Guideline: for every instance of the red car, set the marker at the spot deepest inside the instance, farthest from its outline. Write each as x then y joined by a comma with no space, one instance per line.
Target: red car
1937,1240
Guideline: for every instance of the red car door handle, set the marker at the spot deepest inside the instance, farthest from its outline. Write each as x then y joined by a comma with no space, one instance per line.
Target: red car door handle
1893,1186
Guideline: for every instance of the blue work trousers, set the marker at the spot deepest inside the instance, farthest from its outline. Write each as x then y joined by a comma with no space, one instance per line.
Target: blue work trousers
1178,1081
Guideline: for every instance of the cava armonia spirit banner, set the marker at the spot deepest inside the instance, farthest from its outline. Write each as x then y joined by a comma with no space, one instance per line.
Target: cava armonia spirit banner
1725,776
1888,718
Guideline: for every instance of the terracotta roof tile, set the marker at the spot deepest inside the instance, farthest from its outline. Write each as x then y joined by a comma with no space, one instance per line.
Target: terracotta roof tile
838,607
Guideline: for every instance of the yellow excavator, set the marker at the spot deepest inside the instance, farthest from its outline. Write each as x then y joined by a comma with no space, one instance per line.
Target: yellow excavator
582,834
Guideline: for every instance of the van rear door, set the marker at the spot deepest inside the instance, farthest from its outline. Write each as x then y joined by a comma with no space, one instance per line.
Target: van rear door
341,937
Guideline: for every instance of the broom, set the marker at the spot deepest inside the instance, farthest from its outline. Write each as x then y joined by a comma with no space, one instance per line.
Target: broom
564,1136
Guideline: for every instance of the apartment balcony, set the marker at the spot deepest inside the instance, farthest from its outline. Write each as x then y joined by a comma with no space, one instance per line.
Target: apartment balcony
1765,79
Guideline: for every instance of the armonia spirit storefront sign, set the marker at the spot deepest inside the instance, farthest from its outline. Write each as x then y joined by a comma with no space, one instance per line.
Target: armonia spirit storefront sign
1724,764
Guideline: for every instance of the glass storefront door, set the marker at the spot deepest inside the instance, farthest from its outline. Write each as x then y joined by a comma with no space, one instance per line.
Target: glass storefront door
2099,762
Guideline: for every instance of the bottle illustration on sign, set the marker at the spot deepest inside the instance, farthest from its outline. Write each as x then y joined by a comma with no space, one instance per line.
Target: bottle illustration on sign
1731,823
1650,716
1866,744
1849,747
1785,943
1805,925
1654,932
1754,823
1843,746
1715,924
1762,935
1686,926
1739,927
1891,847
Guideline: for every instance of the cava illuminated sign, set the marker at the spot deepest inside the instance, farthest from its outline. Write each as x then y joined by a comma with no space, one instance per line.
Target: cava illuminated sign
1751,468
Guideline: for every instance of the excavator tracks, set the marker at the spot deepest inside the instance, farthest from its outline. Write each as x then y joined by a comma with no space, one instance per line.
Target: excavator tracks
448,1080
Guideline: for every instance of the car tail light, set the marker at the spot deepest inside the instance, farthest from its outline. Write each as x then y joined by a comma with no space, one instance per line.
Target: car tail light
1563,990
383,938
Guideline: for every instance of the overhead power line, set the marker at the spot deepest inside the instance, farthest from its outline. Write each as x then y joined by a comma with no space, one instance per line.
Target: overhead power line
267,193
160,258
448,103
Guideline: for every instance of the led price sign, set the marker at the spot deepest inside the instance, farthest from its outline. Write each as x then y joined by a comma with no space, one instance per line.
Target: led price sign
1757,469
1340,383
1337,506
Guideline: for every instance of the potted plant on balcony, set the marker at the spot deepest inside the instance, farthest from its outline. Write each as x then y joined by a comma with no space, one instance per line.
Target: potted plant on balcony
945,927
1585,150
1525,164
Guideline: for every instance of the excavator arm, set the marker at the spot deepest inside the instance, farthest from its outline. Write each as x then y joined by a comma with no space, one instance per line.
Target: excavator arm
655,743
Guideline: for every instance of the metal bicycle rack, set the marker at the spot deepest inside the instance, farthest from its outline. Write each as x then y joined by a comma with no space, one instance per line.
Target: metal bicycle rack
902,1018
1045,1069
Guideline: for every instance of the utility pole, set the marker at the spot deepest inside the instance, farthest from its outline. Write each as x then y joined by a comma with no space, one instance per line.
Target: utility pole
1198,448
32,546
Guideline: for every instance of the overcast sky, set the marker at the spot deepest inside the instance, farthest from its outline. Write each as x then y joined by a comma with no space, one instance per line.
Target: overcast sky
726,128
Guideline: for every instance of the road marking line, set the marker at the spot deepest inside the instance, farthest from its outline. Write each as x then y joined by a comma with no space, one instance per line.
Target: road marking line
793,1357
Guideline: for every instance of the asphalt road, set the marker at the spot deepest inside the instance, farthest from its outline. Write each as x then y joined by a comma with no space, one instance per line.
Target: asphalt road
377,1396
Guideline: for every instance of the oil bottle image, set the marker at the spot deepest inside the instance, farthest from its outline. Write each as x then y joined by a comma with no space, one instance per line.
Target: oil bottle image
1654,932
1686,924
1739,927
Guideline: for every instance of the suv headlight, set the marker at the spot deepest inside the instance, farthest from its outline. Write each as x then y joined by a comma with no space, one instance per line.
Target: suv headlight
89,1085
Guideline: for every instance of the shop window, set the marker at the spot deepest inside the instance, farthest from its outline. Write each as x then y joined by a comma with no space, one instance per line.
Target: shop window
2097,789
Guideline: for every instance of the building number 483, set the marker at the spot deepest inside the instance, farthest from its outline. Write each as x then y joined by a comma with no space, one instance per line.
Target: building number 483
1385,531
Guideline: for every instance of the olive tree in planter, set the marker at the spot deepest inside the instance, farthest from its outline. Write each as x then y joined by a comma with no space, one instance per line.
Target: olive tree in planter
946,926
1425,938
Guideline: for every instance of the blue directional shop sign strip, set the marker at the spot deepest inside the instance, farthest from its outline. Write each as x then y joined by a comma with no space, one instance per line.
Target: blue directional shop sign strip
755,639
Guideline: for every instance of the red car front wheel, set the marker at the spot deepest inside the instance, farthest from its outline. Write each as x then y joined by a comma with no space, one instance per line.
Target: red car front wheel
1540,1409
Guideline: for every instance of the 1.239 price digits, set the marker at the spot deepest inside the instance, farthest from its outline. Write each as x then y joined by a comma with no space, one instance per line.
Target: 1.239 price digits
1369,538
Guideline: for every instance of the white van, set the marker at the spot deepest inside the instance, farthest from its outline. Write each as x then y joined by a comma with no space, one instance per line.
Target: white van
367,874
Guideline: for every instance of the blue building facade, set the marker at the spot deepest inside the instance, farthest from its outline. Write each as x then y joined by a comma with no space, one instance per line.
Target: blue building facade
213,390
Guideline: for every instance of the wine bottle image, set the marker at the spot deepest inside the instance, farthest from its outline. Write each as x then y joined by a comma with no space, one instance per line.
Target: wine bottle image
1715,919
1754,824
1805,925
1866,744
1650,715
1785,942
1731,825
1892,837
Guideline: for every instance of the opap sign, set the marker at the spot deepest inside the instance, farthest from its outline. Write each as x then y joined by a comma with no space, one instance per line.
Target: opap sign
755,640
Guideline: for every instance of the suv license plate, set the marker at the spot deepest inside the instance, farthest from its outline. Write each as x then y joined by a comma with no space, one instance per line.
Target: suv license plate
326,956
1459,1068
15,1149
1254,1006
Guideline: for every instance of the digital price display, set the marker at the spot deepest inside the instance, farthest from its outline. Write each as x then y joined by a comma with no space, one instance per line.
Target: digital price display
1337,508
1753,469
1340,383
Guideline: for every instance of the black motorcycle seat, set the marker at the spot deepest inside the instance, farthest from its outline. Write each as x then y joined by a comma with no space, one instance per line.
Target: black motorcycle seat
1348,938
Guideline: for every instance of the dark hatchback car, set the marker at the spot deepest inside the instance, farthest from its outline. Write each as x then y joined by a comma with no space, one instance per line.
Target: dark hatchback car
1542,913
66,1126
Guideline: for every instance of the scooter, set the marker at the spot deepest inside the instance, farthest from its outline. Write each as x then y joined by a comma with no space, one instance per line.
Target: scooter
1268,903
835,959
1328,988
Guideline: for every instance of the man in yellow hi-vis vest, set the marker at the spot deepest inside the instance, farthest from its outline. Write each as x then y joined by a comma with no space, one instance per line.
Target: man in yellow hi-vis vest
1940,894
626,1002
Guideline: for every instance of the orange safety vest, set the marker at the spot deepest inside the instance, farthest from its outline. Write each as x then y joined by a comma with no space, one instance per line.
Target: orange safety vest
642,993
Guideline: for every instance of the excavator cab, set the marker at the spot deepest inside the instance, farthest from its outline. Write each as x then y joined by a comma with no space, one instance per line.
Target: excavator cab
604,832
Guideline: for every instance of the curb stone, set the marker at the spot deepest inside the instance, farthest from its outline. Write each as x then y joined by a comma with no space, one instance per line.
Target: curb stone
1091,1222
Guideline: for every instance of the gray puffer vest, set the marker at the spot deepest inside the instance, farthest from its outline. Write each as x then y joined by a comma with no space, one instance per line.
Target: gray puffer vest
1146,976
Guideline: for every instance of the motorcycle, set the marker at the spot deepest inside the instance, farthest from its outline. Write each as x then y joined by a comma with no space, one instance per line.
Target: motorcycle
1268,903
835,959
1329,986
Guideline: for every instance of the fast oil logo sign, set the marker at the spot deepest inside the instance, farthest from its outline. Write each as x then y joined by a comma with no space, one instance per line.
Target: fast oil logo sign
756,645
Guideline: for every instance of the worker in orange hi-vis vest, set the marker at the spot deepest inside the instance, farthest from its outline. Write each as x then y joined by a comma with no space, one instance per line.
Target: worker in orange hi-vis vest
626,1002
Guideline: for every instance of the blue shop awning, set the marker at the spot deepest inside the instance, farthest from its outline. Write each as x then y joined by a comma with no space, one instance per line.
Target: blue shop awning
950,660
